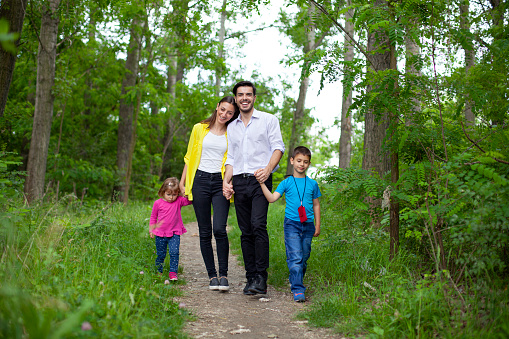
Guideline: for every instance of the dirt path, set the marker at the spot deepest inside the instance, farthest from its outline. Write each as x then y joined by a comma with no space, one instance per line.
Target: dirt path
222,315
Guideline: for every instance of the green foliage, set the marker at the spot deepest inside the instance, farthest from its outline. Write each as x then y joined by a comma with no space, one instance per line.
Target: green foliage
73,271
7,39
354,287
356,187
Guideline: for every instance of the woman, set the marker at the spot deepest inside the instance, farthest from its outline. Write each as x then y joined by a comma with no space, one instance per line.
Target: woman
202,182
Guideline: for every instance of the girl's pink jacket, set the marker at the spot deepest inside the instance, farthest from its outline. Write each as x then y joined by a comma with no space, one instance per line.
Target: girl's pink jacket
168,214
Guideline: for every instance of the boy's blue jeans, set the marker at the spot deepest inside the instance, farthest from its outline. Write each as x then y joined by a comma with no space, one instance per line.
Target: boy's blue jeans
173,245
298,237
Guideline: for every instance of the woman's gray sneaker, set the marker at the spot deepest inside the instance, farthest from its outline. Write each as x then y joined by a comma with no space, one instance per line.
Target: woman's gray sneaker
214,284
223,284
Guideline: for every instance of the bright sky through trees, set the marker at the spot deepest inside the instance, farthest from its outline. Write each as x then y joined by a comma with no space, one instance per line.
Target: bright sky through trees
266,51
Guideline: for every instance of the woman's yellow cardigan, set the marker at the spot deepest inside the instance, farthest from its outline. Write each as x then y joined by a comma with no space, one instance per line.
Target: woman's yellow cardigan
193,156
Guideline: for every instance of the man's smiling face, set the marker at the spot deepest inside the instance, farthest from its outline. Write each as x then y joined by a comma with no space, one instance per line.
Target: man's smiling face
245,99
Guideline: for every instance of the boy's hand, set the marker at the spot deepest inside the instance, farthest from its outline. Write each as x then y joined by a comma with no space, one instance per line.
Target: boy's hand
317,231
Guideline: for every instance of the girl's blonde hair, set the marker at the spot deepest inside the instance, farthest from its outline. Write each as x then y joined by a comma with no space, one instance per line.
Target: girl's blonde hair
170,184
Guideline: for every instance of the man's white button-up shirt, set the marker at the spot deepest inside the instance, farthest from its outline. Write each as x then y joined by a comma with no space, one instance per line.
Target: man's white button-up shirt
250,147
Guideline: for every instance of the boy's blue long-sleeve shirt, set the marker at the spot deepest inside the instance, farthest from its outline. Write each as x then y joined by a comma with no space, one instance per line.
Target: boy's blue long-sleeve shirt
289,187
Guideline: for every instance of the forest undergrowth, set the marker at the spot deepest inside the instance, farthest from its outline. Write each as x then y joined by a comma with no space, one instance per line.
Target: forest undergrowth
77,268
358,291
71,270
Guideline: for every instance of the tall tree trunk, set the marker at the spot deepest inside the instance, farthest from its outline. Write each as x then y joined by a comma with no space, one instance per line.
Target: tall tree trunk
298,114
394,203
14,12
87,97
220,52
176,69
376,126
469,58
126,109
44,99
345,139
143,74
497,13
168,135
412,50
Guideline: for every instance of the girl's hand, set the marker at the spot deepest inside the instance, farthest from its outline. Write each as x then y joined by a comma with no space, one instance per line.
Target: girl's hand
153,227
156,225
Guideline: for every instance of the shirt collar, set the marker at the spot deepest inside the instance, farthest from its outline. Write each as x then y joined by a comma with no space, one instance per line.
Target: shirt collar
256,114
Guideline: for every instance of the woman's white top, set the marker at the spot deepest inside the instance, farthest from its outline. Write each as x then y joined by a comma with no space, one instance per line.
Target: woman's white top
213,149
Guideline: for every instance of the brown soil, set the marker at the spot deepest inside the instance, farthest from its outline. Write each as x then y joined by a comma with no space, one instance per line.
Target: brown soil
223,314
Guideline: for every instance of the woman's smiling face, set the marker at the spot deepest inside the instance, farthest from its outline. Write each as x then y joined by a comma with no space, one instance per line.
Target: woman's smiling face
225,112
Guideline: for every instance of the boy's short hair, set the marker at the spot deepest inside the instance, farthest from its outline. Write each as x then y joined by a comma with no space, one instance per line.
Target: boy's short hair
301,150
170,184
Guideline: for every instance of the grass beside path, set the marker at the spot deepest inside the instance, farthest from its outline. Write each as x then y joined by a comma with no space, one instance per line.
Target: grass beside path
357,291
70,271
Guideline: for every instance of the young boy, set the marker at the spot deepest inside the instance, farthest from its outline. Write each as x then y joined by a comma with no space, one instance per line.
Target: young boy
302,206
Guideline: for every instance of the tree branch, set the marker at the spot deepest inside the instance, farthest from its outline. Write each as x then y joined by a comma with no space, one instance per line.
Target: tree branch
484,137
479,147
238,34
337,24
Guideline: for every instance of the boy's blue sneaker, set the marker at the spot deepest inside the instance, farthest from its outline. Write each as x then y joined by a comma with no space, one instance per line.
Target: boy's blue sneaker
299,297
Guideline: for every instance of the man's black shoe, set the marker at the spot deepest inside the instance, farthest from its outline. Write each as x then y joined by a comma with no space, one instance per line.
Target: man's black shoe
259,286
250,282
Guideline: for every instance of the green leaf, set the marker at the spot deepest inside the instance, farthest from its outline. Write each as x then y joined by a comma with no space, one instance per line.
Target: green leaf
378,330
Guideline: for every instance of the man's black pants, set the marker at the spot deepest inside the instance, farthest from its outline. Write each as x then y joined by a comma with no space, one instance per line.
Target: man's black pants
251,207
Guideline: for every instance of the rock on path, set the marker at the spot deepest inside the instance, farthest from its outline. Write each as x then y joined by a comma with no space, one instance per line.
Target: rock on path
226,314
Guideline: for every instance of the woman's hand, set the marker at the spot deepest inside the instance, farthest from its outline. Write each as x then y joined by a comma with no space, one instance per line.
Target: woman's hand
227,190
182,182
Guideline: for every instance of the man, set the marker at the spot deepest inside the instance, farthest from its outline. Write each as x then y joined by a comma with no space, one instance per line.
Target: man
255,147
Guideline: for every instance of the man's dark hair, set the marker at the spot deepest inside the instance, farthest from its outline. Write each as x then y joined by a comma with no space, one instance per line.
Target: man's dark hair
301,150
244,84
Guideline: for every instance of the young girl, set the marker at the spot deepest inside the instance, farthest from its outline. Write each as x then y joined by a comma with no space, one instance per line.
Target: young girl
167,226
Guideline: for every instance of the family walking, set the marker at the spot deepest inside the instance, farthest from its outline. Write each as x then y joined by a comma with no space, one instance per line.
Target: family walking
231,157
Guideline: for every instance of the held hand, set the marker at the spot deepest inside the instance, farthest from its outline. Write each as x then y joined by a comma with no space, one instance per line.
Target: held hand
182,188
262,174
227,190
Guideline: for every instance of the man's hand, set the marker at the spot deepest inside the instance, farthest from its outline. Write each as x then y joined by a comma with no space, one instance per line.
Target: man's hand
262,174
228,190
